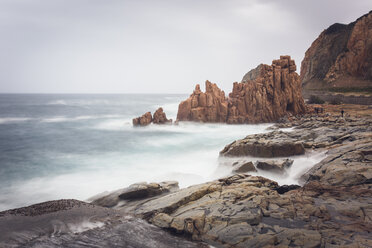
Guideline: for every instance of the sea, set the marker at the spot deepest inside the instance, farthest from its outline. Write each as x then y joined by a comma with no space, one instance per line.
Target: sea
64,146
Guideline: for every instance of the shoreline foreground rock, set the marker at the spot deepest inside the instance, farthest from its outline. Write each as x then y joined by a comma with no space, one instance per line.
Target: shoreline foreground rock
333,208
266,94
73,223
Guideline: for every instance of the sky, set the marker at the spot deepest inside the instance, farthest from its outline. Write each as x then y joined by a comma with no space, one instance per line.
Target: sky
154,46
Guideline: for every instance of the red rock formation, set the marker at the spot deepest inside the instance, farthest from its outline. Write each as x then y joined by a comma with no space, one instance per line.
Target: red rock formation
144,120
160,117
340,57
210,106
266,94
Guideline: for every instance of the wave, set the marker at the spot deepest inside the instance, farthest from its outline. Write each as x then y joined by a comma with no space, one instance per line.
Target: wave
301,164
55,119
57,102
84,103
6,120
77,118
113,124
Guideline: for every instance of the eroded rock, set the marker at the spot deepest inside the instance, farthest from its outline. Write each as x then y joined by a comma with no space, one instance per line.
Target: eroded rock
210,106
72,223
160,117
245,167
266,94
268,145
331,209
143,120
251,211
134,192
274,165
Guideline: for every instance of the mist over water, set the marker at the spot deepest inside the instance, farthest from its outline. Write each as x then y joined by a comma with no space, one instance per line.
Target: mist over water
76,146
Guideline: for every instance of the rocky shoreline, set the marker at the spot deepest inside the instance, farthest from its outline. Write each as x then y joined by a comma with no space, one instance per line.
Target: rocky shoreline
333,208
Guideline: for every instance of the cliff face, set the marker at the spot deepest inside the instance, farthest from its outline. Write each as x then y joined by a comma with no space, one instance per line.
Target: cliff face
266,94
340,57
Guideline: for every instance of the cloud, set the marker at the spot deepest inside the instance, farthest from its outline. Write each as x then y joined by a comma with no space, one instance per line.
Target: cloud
165,46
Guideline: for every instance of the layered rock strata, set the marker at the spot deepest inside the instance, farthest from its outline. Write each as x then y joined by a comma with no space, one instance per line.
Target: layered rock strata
244,168
274,165
146,119
160,117
266,94
340,57
143,120
136,191
268,145
211,106
72,223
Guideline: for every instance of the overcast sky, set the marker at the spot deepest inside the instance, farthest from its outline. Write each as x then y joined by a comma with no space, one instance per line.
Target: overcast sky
153,46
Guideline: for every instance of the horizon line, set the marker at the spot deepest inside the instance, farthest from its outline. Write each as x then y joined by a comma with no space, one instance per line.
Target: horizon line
85,93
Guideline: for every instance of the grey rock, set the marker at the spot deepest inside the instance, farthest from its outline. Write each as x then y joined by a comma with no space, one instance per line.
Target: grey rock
245,167
268,145
274,165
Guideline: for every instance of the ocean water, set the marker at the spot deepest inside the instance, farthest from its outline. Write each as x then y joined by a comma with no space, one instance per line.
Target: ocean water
76,146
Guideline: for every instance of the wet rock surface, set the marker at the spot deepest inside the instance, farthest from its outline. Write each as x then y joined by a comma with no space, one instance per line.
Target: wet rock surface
274,165
332,209
160,117
268,145
72,223
251,211
137,191
244,167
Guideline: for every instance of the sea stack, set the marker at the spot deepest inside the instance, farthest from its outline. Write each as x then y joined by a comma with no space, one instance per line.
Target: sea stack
266,94
146,119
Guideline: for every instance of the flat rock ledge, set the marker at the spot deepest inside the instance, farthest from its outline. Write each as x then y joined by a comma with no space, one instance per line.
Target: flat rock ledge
267,145
72,223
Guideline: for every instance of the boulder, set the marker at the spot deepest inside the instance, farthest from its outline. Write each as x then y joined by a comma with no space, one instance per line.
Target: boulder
160,117
285,188
245,167
274,165
144,190
268,145
134,192
266,94
143,120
